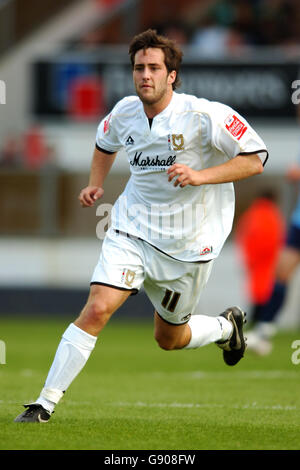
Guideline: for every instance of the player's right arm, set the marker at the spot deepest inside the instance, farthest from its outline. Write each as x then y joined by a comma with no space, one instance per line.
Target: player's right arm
106,147
100,167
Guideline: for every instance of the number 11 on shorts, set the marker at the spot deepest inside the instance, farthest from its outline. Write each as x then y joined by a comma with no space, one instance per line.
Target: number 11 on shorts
170,300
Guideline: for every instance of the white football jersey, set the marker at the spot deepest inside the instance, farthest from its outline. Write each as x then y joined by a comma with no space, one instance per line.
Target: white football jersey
190,223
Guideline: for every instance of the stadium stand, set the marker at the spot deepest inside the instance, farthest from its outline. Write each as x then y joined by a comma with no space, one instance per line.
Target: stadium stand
65,63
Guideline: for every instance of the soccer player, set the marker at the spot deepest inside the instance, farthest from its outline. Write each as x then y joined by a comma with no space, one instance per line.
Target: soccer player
171,221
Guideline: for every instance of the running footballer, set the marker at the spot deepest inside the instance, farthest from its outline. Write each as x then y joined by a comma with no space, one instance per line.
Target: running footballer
171,221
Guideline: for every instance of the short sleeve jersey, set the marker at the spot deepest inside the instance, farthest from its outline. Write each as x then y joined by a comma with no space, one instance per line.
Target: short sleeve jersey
190,223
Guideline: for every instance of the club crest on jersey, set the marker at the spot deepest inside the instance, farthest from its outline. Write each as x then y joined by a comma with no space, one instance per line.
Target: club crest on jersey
235,126
177,141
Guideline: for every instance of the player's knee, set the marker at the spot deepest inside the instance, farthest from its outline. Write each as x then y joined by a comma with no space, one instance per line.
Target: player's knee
94,315
98,310
164,342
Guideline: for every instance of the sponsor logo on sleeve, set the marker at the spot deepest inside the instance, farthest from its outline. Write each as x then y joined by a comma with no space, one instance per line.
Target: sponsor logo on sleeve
106,124
235,126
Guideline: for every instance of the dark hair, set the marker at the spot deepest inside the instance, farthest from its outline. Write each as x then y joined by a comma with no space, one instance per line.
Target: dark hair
150,38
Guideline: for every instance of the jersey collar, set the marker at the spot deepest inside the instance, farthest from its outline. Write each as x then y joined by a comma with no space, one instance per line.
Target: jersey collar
165,112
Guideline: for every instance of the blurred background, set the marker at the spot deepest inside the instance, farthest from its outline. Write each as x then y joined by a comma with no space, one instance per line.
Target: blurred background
63,65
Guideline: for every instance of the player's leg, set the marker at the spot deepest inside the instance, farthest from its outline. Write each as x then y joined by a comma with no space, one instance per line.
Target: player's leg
287,264
74,349
80,338
174,289
170,336
259,339
118,274
103,301
199,331
226,330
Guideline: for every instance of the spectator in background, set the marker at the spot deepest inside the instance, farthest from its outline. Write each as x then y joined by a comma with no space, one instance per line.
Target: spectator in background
30,150
174,30
259,339
216,34
278,22
228,25
218,27
35,150
10,152
259,237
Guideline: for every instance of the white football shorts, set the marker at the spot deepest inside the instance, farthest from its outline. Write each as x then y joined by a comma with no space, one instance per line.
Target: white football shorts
174,287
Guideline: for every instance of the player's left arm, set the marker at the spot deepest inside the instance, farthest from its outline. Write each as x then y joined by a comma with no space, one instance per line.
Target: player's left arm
235,169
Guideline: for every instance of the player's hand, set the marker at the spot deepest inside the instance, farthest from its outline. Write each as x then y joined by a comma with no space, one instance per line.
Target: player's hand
89,195
184,175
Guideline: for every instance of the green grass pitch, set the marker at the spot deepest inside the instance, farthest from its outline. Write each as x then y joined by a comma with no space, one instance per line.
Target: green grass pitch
133,396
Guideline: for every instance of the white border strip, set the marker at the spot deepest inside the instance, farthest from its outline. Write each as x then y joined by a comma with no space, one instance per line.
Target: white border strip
246,406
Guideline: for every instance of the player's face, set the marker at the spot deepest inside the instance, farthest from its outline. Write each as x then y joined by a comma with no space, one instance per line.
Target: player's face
152,81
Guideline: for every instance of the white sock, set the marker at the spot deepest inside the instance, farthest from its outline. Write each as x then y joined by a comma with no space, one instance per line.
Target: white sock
226,327
206,330
265,330
72,353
